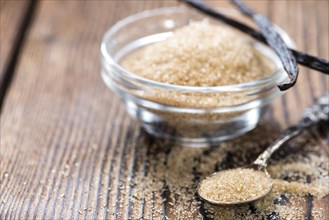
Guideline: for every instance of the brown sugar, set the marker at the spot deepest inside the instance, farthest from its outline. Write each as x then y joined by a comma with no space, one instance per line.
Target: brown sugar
235,185
200,54
173,173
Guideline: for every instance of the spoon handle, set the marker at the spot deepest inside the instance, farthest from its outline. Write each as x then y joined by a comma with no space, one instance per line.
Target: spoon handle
317,112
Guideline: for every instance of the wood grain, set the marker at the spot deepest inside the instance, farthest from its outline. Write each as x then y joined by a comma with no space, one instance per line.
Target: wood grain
11,14
15,18
70,151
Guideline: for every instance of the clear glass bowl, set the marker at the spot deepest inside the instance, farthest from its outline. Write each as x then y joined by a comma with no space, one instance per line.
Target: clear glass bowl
190,116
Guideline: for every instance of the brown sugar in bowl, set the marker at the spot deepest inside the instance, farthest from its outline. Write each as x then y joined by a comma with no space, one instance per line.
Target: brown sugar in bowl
194,107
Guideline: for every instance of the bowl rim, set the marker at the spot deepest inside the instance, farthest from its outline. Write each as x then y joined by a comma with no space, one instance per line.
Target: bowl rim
132,77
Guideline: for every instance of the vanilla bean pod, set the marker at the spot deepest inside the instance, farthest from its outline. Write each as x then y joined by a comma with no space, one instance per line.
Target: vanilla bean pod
301,57
275,41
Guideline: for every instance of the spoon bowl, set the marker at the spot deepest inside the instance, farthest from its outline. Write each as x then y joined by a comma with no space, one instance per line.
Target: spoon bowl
256,194
243,184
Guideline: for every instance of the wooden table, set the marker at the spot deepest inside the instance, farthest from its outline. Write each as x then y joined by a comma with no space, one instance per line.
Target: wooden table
69,150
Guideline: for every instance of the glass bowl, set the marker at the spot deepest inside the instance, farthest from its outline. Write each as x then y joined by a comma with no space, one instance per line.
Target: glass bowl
187,115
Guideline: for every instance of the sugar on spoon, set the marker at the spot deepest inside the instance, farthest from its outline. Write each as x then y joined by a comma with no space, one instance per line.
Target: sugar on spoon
250,183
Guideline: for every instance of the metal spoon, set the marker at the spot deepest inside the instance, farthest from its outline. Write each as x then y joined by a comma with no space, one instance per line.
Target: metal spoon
317,112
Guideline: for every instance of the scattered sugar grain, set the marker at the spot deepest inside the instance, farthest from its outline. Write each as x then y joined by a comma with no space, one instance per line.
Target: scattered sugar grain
176,171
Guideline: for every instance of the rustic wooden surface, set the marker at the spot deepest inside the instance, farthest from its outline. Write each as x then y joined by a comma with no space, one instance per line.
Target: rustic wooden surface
10,14
69,150
13,23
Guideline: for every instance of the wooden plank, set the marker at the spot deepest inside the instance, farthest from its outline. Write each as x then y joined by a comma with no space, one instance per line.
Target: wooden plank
69,150
46,190
14,20
11,14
